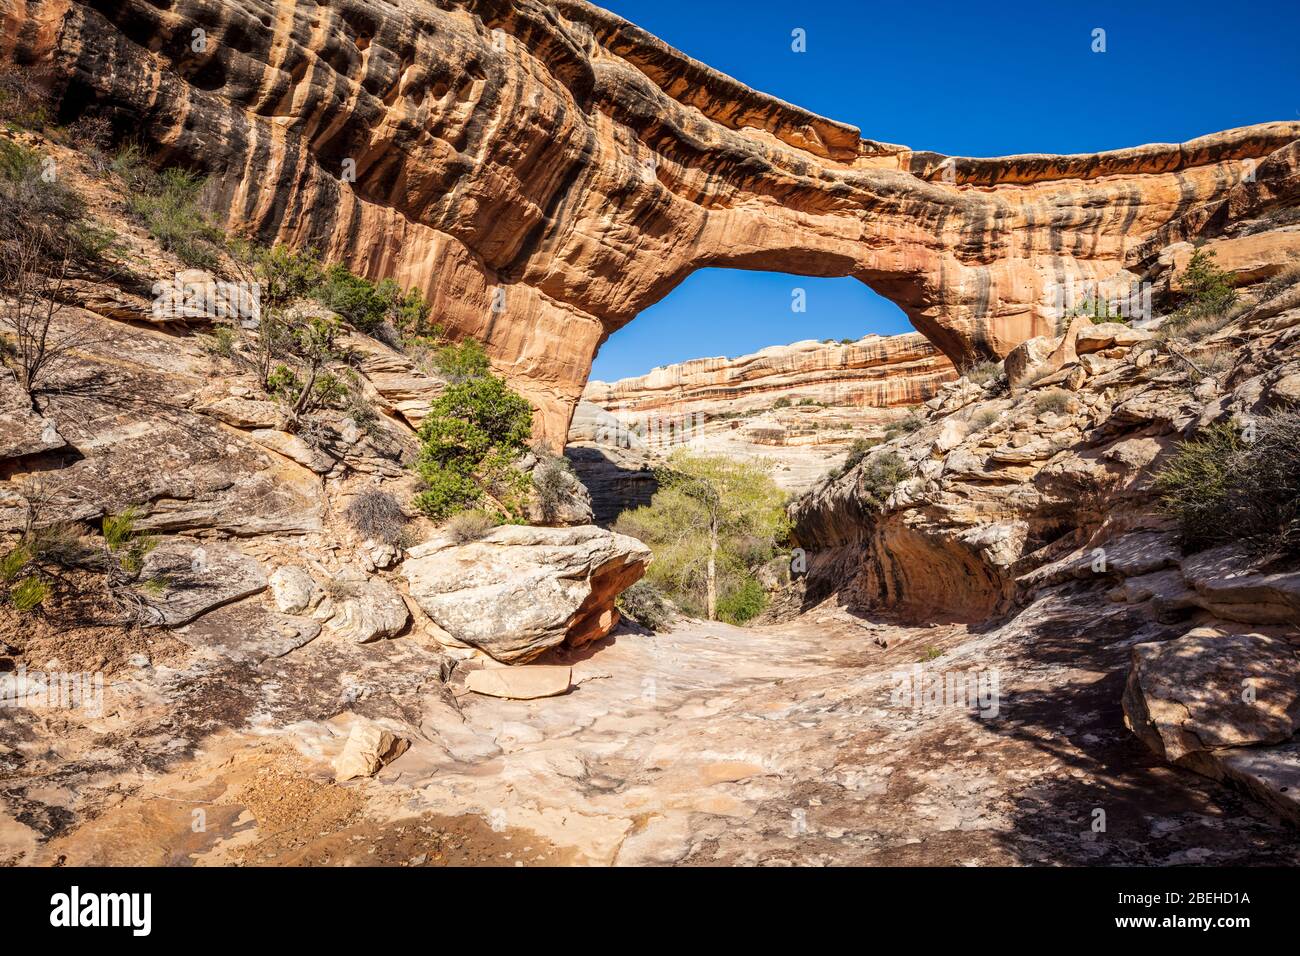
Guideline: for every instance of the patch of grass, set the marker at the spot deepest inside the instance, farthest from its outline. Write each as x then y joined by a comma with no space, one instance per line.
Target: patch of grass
983,419
470,526
1055,400
931,653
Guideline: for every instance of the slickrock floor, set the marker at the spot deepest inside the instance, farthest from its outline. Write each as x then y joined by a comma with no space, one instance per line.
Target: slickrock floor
709,744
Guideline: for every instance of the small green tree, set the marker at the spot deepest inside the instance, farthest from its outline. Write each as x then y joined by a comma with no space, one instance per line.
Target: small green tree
711,523
469,443
1208,293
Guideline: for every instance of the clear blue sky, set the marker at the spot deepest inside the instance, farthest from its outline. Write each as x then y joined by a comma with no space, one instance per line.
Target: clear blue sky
962,79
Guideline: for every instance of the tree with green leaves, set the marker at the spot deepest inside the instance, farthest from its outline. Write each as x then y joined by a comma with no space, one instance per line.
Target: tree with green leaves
711,524
469,443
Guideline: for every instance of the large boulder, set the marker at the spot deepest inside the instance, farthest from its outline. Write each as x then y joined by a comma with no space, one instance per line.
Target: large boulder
1209,691
521,590
370,609
194,577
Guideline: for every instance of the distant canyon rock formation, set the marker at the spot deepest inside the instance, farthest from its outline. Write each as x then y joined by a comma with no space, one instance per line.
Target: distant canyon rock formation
546,171
873,372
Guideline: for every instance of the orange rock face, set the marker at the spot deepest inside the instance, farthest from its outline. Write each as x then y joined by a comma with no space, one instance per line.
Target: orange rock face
545,171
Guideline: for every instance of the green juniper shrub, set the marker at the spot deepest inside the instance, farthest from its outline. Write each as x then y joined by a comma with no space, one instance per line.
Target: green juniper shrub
1207,298
469,443
461,362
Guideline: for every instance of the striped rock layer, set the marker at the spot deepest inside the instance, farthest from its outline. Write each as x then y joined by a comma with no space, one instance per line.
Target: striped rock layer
545,170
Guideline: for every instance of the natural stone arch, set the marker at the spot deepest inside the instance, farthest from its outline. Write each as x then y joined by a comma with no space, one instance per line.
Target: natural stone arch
569,159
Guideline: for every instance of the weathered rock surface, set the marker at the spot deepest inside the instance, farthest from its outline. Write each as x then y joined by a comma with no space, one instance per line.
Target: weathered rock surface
545,171
370,609
292,589
22,430
522,590
368,749
523,682
197,577
1208,691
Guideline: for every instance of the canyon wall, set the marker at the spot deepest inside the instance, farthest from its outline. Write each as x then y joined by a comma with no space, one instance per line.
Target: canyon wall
873,372
545,171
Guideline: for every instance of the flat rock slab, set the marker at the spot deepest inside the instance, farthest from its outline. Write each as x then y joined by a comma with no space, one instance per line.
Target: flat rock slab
198,576
1229,587
1209,691
525,682
248,632
22,430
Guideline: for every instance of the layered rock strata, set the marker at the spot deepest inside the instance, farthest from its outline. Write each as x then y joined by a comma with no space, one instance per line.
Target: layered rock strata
545,171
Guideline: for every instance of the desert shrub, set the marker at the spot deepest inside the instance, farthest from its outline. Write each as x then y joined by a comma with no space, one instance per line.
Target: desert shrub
1280,283
881,474
712,524
357,300
857,451
376,515
742,603
166,204
221,341
646,604
1096,310
1208,294
1222,487
373,306
553,480
37,208
983,419
913,421
470,526
1055,400
981,373
24,101
469,443
783,402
